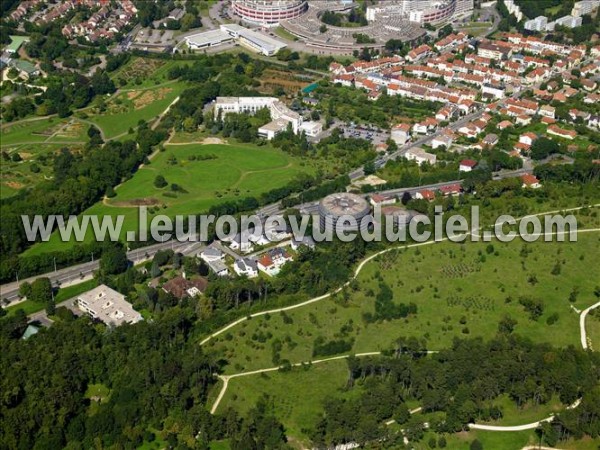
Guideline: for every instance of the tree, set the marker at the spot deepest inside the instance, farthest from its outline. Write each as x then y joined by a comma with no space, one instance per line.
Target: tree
160,182
114,259
442,442
406,197
401,414
41,290
189,125
543,147
476,445
369,168
25,289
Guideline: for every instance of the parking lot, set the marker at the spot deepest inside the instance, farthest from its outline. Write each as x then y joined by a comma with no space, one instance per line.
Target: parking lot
372,134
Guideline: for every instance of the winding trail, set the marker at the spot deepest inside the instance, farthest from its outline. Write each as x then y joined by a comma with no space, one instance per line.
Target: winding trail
584,340
375,255
524,427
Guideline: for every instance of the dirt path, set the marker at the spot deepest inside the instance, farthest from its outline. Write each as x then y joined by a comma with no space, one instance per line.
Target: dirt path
528,426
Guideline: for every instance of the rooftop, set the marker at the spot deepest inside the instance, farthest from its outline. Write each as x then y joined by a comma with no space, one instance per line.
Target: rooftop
108,306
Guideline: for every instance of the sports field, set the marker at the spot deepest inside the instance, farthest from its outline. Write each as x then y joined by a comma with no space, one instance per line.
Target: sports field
460,290
206,175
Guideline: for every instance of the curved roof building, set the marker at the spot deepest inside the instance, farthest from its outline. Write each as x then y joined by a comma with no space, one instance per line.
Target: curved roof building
335,206
268,12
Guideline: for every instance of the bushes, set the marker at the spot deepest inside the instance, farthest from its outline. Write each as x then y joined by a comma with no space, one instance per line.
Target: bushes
334,347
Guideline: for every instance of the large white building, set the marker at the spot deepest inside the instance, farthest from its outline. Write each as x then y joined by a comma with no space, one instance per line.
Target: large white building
584,7
268,12
281,115
423,11
537,24
252,40
569,21
108,306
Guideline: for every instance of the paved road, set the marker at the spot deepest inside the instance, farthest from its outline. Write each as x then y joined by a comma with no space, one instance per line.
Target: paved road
80,272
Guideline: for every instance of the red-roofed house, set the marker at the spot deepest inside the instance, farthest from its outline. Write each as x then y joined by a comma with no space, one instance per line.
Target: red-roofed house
425,194
530,181
466,165
528,138
452,189
560,132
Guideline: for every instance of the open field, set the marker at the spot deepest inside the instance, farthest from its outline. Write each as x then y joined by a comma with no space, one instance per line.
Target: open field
456,292
15,176
592,323
297,396
144,72
209,174
48,130
125,109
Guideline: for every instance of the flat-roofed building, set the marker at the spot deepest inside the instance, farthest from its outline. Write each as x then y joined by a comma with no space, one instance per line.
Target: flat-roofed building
282,115
253,40
108,306
208,39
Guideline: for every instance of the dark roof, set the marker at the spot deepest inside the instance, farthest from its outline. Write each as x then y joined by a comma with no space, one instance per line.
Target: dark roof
178,286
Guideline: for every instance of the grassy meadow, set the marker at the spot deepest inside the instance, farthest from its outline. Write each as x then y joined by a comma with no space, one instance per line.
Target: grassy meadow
457,293
207,174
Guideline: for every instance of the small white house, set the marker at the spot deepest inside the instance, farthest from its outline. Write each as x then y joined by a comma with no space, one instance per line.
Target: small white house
211,254
420,156
246,267
241,243
467,165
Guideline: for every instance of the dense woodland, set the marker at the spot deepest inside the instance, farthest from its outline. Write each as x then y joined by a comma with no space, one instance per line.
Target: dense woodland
156,375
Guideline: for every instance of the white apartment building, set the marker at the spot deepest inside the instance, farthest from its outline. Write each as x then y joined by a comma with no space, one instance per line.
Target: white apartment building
584,7
280,113
537,24
108,306
569,21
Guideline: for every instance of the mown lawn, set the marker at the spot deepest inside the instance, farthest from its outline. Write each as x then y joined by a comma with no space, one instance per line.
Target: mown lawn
457,295
38,130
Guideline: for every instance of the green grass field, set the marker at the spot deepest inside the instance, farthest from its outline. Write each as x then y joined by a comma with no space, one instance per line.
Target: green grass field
37,130
297,396
592,326
125,109
238,171
456,295
144,72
